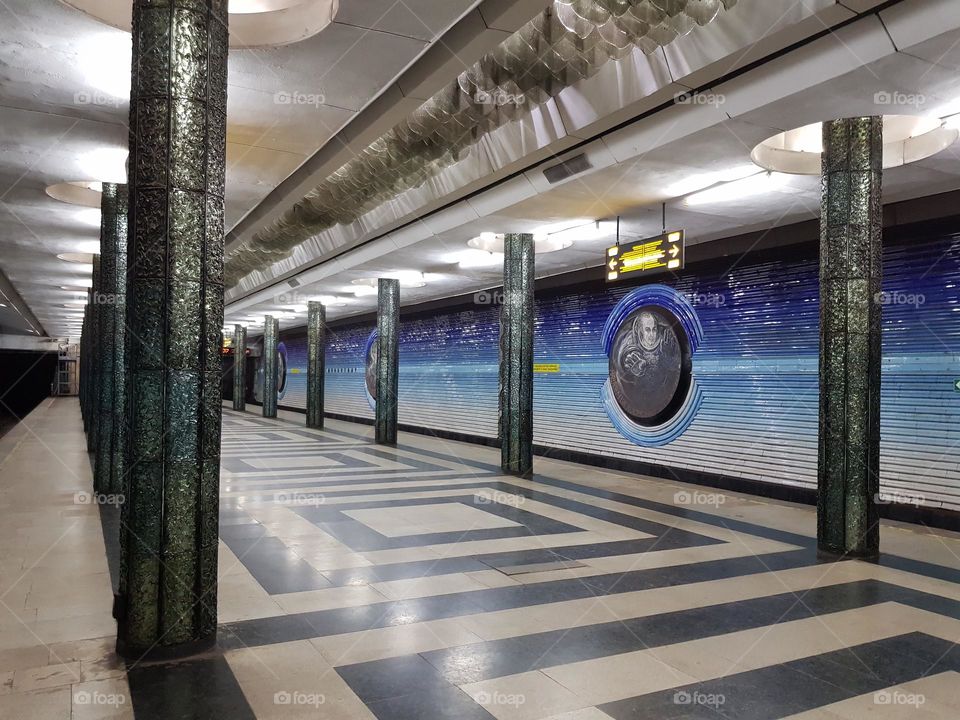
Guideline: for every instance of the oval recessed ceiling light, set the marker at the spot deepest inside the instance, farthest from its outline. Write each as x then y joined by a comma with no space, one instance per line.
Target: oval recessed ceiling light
253,23
73,257
80,192
407,278
542,242
328,300
107,163
906,139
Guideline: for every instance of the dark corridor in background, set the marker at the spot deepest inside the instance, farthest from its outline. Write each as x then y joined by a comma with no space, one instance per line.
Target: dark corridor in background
25,380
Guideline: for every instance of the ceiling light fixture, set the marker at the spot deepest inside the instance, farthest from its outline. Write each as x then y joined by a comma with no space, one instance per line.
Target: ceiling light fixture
476,258
758,184
105,61
701,181
906,139
109,164
82,258
328,300
253,23
542,242
87,247
407,278
77,192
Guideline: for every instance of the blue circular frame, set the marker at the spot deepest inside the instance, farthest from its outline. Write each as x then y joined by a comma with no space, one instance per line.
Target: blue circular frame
371,339
282,381
668,299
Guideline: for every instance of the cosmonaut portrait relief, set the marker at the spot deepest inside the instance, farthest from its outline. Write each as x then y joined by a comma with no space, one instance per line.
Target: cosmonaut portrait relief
371,369
649,365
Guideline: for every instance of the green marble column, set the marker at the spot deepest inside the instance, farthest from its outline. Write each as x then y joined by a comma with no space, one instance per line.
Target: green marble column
271,333
316,350
168,598
388,360
112,308
516,356
239,367
851,232
85,363
93,396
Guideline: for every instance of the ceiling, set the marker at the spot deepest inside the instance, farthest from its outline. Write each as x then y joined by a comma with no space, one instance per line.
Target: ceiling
902,61
64,103
769,66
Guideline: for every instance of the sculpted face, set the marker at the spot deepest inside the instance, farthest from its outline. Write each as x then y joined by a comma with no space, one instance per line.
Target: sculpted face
649,335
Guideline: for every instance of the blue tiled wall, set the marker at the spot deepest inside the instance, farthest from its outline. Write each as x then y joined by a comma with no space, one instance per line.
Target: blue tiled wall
757,367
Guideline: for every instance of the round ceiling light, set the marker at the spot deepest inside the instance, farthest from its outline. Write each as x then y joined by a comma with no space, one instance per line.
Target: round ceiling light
329,300
79,192
83,258
542,242
253,23
906,139
407,278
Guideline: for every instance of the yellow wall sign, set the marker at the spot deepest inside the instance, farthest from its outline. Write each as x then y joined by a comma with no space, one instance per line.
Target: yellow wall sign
546,367
294,371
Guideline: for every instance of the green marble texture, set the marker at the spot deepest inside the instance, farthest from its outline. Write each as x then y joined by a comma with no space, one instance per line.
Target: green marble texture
168,588
316,352
271,333
239,367
851,230
108,467
94,358
516,356
388,360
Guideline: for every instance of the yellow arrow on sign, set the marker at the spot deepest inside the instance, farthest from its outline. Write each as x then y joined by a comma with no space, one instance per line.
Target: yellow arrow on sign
674,250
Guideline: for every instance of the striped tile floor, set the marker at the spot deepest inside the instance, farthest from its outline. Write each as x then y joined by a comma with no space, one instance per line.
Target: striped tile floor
359,582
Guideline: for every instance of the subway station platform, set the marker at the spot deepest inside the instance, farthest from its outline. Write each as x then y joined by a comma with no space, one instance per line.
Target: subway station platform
358,581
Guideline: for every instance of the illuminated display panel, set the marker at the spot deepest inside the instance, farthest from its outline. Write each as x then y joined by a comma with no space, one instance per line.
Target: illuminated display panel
646,257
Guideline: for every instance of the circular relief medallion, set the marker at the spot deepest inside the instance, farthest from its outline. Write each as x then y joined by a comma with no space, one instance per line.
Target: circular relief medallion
650,339
370,369
281,370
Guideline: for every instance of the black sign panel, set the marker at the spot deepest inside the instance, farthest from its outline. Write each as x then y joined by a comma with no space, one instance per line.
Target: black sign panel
645,257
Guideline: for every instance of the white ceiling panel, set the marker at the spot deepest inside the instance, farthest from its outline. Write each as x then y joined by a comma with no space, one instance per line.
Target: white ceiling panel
421,19
64,90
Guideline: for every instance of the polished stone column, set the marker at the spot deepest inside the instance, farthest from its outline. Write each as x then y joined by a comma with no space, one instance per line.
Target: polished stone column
239,367
93,354
85,343
113,282
388,360
850,284
316,350
516,356
168,597
271,332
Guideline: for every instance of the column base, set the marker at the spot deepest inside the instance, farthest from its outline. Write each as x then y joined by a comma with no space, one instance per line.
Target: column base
831,555
522,475
166,652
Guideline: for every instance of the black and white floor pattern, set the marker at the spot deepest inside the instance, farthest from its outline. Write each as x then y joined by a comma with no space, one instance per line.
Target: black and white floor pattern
359,581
